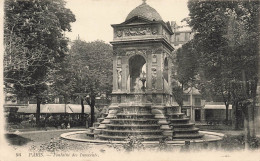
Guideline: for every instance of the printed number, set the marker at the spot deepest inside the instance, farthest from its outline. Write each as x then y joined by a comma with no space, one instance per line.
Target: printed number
18,154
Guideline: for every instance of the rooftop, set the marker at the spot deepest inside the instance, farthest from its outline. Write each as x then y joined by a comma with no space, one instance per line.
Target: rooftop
145,11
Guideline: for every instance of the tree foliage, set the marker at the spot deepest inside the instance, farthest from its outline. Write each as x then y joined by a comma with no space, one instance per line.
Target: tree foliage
86,71
34,42
227,47
186,70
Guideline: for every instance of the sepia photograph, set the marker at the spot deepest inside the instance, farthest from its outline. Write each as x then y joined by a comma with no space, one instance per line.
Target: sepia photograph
148,80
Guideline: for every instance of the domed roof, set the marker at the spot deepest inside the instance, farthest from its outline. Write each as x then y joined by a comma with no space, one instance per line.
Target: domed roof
145,11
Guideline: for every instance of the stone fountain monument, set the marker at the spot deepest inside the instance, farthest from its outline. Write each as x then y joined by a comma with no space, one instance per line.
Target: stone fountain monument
142,103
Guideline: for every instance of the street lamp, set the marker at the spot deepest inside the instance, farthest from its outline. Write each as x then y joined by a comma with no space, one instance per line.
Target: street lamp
143,79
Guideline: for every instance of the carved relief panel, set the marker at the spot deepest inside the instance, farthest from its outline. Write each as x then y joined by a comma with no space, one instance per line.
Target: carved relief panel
135,31
166,35
131,52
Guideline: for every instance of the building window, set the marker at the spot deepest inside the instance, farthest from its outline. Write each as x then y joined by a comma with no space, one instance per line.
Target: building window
154,59
197,102
118,99
177,37
57,100
187,36
119,61
185,98
184,111
182,37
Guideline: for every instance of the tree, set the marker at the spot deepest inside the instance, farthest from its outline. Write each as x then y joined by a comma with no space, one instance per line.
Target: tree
227,44
61,80
88,72
34,42
186,71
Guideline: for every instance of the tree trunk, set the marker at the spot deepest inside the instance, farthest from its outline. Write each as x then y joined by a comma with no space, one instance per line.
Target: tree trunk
82,111
182,87
257,104
92,107
92,116
251,120
65,102
227,105
247,133
38,109
234,116
91,103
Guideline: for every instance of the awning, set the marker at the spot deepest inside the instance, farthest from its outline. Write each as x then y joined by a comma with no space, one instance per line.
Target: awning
13,107
77,108
27,109
55,108
217,107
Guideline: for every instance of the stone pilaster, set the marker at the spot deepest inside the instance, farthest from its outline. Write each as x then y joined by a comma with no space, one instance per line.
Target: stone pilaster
169,76
202,115
149,73
124,73
159,83
115,87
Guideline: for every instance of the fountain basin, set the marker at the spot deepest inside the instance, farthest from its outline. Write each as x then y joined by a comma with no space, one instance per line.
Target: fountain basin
209,138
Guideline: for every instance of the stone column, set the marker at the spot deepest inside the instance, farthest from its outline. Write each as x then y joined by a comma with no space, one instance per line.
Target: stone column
169,75
115,88
159,83
202,114
192,112
188,112
124,73
149,72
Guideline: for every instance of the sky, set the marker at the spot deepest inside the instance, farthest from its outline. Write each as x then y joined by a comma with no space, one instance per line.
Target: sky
94,17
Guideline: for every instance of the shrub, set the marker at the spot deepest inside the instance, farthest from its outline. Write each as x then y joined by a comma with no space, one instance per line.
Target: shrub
133,143
254,143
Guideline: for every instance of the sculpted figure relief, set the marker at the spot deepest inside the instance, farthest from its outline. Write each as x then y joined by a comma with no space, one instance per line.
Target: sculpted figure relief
137,31
119,78
144,52
154,78
119,33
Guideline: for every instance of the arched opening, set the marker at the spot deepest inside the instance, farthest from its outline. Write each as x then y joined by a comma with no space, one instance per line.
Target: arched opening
165,70
137,73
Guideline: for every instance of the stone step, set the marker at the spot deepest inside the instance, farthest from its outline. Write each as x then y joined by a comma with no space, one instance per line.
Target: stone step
132,127
96,124
91,129
175,115
142,138
134,121
135,108
187,136
184,130
134,116
100,119
131,132
179,120
90,134
182,125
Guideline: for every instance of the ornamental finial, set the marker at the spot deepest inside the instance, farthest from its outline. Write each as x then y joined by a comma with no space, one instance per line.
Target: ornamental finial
144,1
